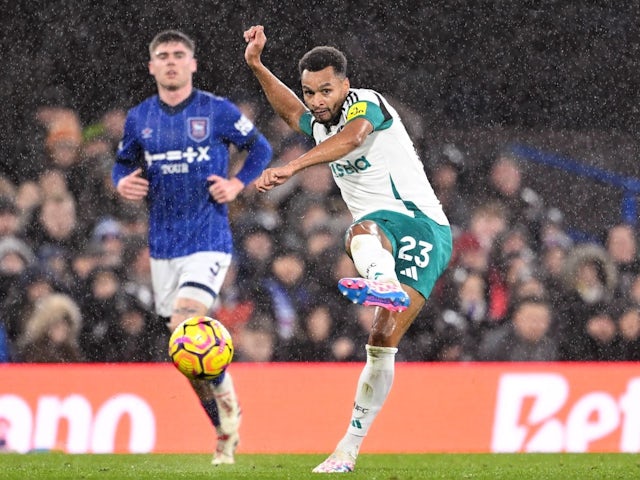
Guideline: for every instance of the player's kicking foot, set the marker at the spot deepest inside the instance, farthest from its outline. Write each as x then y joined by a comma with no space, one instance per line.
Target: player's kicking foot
377,293
338,462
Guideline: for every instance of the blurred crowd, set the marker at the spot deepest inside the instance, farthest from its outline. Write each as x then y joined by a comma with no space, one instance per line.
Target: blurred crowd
75,279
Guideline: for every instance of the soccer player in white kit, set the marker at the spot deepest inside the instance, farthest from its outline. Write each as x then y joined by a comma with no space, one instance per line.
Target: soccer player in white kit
400,241
175,155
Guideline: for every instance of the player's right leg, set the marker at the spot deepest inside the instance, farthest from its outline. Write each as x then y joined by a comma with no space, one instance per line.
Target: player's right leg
370,245
374,383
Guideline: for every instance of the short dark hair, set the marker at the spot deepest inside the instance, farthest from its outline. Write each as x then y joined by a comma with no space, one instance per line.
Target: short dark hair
319,58
168,36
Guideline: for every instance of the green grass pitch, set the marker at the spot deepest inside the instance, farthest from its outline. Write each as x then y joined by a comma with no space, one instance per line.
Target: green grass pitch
58,466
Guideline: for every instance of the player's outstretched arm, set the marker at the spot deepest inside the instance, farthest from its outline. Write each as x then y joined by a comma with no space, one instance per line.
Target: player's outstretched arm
282,99
351,137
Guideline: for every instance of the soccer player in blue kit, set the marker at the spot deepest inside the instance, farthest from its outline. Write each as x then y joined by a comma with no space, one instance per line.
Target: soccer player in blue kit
175,155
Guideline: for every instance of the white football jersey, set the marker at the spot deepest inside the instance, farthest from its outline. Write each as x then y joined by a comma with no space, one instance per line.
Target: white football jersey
385,172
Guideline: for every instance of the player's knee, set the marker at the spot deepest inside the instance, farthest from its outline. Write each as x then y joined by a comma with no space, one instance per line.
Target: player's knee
186,308
365,227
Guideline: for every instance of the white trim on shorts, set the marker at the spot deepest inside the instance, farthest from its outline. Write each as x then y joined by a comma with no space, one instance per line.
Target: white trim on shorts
198,276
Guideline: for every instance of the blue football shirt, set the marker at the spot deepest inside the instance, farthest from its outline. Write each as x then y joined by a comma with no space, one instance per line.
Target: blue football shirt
178,148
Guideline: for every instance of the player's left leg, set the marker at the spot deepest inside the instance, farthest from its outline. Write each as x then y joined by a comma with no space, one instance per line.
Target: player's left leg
384,247
374,383
218,397
200,279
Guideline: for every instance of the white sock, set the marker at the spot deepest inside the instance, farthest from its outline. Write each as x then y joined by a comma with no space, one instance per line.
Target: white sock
374,386
228,408
371,260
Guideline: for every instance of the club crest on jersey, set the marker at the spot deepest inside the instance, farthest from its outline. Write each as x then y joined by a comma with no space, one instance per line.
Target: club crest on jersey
198,128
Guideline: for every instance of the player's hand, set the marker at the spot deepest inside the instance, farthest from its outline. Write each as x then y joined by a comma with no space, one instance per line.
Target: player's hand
133,186
272,177
256,41
224,190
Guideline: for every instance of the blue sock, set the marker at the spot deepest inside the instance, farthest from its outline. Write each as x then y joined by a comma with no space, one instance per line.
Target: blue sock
211,407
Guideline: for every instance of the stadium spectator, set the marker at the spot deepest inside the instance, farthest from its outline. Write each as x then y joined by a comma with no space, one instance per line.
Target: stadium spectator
235,304
596,337
101,308
53,183
63,148
9,218
590,280
55,224
135,336
465,321
471,250
505,185
551,261
256,340
82,263
284,293
175,155
290,147
29,286
314,186
97,194
255,253
353,326
312,341
108,129
315,216
530,286
622,246
510,260
633,294
137,274
628,320
109,234
445,174
51,332
56,261
354,130
524,337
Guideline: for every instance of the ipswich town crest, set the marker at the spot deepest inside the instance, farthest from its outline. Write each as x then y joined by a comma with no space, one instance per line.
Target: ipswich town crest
198,128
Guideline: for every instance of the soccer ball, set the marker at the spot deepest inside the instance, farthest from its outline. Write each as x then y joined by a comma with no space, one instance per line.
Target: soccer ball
201,348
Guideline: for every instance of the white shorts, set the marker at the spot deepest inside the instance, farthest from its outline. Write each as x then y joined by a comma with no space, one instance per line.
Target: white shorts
198,276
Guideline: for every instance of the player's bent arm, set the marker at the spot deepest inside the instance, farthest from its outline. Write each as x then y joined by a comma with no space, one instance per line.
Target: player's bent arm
286,103
128,182
351,137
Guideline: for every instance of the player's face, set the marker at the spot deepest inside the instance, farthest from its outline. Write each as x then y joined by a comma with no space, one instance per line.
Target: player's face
324,92
172,64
